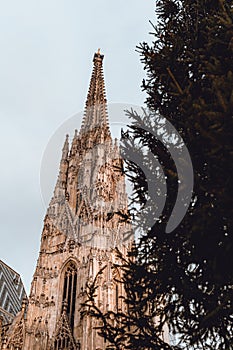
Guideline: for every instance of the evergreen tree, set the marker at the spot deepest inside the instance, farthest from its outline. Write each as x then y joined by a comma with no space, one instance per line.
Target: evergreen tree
183,279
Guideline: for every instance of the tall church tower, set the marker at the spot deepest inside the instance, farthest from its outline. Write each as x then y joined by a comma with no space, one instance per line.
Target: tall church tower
82,226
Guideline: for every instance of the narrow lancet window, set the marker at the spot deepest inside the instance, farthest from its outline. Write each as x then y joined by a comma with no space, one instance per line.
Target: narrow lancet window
69,292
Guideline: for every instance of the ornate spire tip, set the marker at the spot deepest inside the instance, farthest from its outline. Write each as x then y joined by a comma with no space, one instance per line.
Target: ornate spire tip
98,57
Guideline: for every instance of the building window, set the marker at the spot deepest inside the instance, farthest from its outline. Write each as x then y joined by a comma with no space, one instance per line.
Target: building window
69,292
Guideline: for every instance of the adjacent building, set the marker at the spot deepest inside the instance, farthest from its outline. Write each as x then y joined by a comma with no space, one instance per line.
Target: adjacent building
12,293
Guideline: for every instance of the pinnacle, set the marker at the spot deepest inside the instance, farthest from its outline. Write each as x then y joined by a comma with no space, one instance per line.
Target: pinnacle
65,149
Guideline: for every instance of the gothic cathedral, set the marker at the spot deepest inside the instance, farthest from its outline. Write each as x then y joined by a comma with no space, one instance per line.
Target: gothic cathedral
82,227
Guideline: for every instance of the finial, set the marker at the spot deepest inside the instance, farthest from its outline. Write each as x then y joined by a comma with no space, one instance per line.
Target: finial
98,57
4,342
24,304
66,143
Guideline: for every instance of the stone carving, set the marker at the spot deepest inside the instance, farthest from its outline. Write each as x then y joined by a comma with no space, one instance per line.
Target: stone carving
82,226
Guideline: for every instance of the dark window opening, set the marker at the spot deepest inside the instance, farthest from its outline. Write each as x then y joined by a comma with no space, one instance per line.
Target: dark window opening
69,292
63,342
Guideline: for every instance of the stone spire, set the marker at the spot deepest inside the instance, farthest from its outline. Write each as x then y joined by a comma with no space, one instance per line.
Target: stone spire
90,182
95,115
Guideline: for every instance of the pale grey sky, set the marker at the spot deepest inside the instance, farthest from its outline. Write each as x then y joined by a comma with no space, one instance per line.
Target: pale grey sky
47,48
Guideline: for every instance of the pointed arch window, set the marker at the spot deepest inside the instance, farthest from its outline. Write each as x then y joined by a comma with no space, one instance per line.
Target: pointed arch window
69,292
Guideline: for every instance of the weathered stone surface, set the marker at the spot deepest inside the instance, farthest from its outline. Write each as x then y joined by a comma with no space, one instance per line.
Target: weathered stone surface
82,227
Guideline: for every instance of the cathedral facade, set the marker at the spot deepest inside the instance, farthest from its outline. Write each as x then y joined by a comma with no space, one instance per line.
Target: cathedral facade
82,227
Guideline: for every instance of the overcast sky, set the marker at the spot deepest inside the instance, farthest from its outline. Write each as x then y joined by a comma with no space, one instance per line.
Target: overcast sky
47,48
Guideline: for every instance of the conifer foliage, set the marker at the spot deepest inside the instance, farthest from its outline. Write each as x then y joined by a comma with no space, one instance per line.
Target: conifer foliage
183,280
